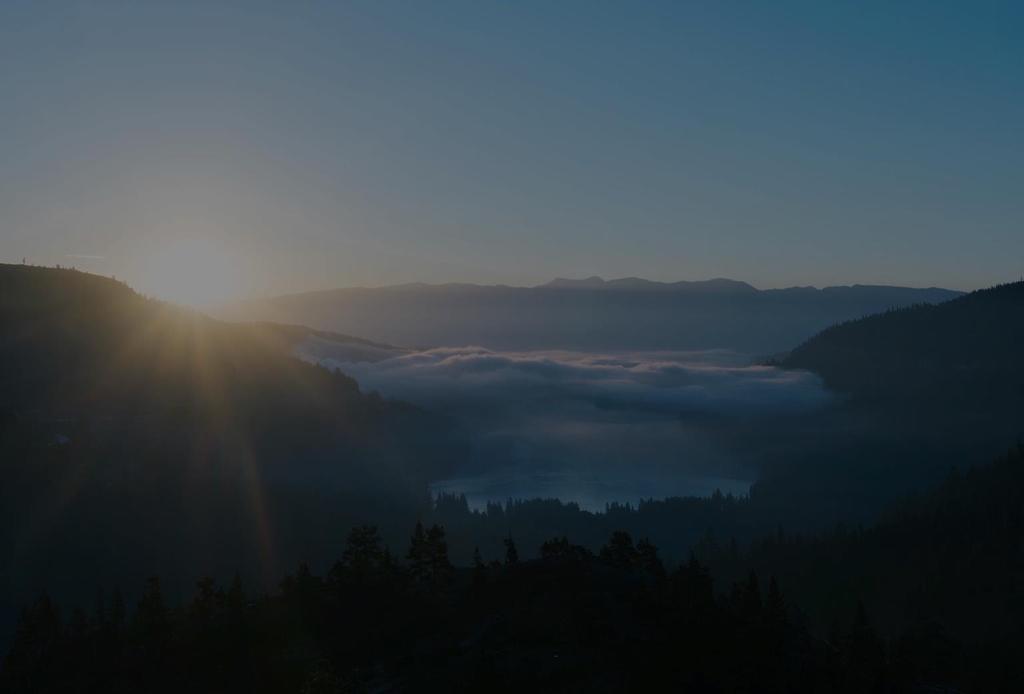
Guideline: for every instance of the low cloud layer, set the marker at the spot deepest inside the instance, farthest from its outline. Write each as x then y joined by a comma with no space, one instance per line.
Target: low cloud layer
594,427
717,382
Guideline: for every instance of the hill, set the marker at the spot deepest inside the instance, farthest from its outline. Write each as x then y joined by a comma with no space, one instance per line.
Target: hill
924,389
588,315
71,340
135,433
965,351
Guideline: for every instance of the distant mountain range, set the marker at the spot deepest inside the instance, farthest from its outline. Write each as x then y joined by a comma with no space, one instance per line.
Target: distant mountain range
587,314
717,285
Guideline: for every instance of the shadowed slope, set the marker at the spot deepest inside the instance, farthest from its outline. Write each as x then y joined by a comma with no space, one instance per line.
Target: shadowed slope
965,350
134,431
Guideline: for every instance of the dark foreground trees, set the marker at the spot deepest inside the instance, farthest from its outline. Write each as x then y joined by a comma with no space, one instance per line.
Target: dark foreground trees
570,621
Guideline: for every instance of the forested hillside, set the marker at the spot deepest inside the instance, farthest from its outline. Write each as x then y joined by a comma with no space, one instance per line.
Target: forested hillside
947,565
923,389
136,436
965,351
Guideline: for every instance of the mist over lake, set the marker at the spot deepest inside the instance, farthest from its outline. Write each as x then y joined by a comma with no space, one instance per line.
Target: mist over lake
593,428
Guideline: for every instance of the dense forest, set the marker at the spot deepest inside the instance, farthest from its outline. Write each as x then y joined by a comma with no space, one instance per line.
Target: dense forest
951,556
923,389
928,600
571,620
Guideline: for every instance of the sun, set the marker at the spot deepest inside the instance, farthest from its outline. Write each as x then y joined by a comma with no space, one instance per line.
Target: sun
194,271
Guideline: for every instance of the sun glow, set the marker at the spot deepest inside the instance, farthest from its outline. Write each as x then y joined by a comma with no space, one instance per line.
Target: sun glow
194,271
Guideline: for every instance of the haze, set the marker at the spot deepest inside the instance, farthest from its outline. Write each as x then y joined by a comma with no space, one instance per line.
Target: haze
217,151
574,346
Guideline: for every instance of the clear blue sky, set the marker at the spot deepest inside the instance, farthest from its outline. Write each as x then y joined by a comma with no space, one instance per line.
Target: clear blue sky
308,145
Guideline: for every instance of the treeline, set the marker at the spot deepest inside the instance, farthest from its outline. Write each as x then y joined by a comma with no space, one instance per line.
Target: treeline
675,524
571,620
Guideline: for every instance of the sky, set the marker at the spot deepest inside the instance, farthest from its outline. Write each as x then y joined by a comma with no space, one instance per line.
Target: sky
209,151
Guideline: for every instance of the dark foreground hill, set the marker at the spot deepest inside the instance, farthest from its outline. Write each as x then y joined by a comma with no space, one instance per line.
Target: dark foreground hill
138,437
569,622
591,314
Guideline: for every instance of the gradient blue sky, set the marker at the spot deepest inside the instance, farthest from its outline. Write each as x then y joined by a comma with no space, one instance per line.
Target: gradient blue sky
296,145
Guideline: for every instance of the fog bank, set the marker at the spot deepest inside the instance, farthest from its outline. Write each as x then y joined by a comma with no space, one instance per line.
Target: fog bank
594,427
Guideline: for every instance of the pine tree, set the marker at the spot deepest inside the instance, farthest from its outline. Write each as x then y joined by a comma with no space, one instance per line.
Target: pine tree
36,639
775,606
750,597
695,584
619,551
99,618
418,555
151,617
363,555
79,625
865,652
205,602
479,568
235,597
648,559
117,611
511,553
440,568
